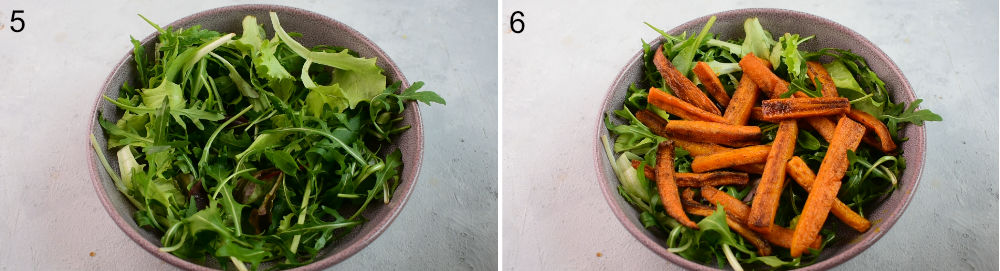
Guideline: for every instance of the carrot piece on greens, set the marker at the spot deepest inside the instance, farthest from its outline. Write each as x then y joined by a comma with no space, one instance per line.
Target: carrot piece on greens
739,109
772,182
667,187
795,108
805,177
885,142
824,190
676,106
715,178
741,156
713,132
681,85
711,82
817,72
654,122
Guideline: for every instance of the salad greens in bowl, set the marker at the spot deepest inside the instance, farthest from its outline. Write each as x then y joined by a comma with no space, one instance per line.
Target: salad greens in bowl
759,139
256,137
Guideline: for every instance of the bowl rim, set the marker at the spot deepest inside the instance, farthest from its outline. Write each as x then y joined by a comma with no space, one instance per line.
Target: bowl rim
611,195
333,257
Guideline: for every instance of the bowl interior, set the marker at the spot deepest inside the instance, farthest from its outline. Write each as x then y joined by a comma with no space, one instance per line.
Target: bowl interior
729,25
317,30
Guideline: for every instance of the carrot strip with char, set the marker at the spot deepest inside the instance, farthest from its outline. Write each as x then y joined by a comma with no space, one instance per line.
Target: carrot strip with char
712,84
700,148
676,106
733,206
779,236
716,178
817,72
746,94
741,156
772,182
651,120
687,198
824,126
756,69
763,248
827,184
794,108
757,114
801,173
666,185
757,168
874,125
712,132
681,85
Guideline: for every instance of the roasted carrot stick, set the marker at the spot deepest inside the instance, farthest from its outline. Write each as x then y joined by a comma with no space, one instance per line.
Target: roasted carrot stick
682,86
712,84
716,178
823,126
780,236
741,156
738,111
700,148
763,248
733,206
712,132
687,198
824,189
651,120
772,182
801,173
736,209
794,108
874,125
678,107
816,71
757,114
757,168
666,185
757,70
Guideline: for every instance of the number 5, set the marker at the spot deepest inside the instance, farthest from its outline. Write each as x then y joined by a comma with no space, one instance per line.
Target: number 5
13,18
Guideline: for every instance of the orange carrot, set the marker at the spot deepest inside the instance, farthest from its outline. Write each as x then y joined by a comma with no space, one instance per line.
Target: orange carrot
757,168
712,132
824,190
682,109
736,209
763,248
681,85
651,120
816,71
700,148
823,126
733,206
772,182
738,111
757,70
801,173
716,178
757,114
741,156
794,108
874,125
666,185
712,84
687,198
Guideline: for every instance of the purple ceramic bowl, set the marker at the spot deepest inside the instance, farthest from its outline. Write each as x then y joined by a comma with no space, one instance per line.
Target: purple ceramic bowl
317,30
729,24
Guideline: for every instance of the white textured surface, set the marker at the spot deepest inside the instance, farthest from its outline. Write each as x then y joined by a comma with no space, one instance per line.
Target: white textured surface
558,70
50,74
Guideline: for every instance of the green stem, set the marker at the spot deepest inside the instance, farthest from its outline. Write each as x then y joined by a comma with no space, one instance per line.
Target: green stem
208,145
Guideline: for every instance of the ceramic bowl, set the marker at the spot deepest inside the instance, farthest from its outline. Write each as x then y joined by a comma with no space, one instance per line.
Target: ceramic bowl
317,30
729,24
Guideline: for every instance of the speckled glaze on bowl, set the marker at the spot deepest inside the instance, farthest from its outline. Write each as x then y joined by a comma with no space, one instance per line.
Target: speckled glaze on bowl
317,30
729,24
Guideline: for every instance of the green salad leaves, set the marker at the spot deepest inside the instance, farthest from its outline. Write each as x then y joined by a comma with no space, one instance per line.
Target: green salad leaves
249,149
871,176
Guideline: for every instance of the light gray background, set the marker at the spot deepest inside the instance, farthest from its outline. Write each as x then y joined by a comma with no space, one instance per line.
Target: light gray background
50,74
557,72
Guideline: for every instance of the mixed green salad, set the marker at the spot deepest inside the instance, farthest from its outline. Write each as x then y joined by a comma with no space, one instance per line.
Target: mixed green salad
871,176
249,149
